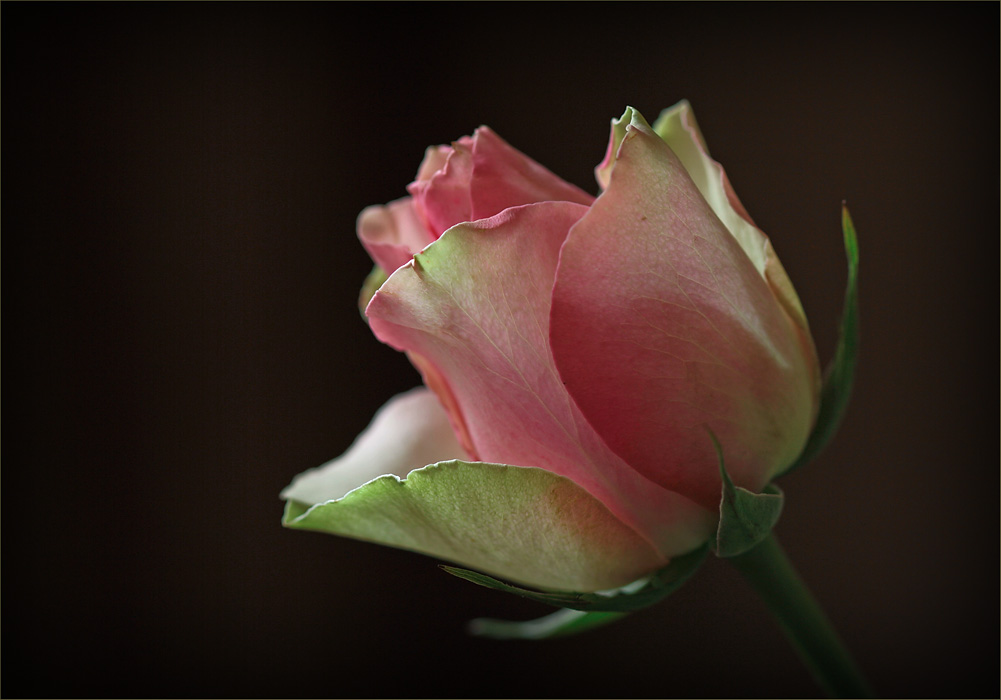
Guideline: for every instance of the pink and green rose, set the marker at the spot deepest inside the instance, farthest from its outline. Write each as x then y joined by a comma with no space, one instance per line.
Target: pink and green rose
579,356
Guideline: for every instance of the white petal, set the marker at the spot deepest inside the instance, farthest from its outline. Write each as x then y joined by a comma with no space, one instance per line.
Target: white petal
409,432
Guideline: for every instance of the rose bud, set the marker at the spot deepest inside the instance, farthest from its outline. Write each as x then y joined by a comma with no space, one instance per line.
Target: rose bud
577,352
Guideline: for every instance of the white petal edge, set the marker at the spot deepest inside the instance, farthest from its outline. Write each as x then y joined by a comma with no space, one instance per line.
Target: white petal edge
677,126
679,129
409,432
523,524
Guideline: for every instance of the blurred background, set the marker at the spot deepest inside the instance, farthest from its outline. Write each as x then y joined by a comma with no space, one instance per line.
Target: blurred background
179,190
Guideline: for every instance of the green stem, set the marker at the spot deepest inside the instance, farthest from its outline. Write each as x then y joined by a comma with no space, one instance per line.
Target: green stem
771,574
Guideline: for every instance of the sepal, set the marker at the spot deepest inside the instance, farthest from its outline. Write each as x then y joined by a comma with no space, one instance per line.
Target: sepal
745,518
635,596
558,624
840,373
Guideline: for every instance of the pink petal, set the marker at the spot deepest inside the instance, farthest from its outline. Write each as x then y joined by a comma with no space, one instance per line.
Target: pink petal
504,177
475,304
392,233
678,127
482,176
442,197
662,326
435,158
436,382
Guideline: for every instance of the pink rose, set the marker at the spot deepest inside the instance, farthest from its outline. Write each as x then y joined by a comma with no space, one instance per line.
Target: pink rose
576,352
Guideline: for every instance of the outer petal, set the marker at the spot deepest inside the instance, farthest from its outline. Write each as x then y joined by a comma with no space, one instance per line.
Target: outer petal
484,175
661,326
476,304
410,431
392,233
677,126
526,525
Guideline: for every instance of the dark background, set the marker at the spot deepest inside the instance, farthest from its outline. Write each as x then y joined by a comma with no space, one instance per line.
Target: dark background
179,191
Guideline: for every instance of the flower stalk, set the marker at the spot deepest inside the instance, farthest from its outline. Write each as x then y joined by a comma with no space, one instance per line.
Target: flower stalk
771,574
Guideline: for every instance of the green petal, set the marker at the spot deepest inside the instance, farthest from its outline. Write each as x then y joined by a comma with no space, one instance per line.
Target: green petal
524,524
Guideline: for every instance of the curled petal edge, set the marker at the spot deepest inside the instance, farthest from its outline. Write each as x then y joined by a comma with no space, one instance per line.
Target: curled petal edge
524,524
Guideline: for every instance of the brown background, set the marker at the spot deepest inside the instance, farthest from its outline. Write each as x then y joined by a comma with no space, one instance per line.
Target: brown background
179,190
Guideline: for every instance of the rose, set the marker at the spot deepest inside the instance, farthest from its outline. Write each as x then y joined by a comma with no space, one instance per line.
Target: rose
577,352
